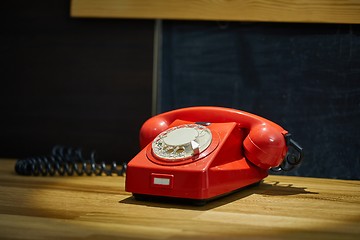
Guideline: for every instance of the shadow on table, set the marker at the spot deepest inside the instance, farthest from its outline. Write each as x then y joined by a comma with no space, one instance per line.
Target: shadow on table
262,188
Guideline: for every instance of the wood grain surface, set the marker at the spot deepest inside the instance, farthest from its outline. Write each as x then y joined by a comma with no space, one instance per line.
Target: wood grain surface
280,207
321,11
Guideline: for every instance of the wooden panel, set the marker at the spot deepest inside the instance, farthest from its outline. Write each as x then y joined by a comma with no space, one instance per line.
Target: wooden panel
322,11
99,208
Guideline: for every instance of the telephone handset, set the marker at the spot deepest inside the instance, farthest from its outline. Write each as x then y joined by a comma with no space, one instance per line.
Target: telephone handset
201,153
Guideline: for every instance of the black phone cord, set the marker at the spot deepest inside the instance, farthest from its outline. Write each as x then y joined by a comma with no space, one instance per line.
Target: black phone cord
68,161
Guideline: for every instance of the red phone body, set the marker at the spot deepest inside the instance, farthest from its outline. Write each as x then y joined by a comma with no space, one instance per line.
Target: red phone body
239,148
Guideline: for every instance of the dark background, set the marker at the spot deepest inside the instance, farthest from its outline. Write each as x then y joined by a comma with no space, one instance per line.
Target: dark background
305,77
75,82
87,82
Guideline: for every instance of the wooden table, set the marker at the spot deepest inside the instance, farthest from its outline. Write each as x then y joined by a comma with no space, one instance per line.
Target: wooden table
98,207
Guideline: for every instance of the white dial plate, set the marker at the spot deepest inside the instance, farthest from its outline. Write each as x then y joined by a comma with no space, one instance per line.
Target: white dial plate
181,142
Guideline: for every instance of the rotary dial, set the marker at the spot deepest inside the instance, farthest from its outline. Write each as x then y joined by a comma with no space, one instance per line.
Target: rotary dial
181,142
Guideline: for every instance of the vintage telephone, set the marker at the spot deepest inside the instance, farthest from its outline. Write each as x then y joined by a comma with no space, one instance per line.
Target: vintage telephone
195,153
201,153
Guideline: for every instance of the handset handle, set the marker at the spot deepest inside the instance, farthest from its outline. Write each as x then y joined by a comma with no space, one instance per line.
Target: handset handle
264,146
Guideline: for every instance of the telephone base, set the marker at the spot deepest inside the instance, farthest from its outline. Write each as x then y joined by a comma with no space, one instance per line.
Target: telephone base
221,170
188,201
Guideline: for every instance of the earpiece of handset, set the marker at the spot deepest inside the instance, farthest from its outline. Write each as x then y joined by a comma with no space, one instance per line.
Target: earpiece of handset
151,128
265,146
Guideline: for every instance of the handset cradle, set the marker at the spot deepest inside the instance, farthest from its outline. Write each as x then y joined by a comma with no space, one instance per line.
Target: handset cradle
201,153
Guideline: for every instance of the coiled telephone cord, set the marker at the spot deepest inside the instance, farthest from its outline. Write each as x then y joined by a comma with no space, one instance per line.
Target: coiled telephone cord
68,161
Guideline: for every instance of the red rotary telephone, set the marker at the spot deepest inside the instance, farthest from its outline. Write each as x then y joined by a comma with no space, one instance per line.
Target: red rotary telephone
201,153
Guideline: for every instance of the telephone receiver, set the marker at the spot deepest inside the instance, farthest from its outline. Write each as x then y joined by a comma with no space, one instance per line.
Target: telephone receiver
202,153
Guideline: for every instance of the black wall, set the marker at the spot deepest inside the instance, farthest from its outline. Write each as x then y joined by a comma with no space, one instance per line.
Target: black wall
76,82
305,77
